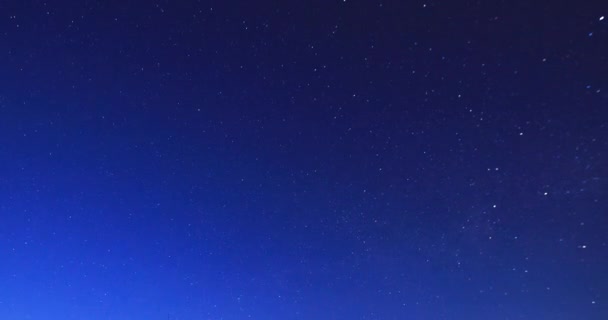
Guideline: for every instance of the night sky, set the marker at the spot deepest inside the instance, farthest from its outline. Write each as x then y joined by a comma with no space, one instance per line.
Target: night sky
303,160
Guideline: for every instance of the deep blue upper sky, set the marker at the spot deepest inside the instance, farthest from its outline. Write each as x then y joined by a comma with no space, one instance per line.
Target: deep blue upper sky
303,160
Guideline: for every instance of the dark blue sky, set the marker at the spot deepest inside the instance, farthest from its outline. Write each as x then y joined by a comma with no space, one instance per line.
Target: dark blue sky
303,160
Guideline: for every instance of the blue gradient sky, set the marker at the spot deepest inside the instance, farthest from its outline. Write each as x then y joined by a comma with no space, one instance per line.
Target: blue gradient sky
303,160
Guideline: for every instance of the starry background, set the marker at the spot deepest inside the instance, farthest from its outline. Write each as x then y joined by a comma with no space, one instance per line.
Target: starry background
303,160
